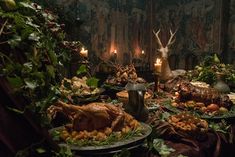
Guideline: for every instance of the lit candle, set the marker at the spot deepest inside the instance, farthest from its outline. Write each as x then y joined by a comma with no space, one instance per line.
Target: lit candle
158,66
83,52
142,54
115,54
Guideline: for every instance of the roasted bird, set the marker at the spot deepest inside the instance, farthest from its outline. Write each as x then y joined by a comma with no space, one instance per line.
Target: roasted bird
93,116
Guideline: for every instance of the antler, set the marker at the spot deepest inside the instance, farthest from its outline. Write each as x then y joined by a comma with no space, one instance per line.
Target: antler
171,41
157,36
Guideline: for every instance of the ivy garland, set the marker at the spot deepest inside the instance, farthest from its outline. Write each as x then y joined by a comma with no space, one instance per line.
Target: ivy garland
33,54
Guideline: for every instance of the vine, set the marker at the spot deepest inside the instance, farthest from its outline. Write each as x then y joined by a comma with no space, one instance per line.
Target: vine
34,55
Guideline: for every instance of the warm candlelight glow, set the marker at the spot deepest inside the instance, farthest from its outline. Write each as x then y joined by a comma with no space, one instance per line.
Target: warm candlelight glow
84,52
115,52
158,65
142,52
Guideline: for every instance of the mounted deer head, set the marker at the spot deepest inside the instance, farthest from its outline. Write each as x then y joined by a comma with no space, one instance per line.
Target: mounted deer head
166,72
165,49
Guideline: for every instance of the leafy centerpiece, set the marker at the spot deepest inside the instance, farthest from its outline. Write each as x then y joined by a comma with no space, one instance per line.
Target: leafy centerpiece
208,69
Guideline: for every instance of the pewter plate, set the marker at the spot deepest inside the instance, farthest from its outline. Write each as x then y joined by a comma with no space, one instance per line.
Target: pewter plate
113,148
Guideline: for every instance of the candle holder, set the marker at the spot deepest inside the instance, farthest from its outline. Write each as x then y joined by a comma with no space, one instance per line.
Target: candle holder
86,62
156,81
113,57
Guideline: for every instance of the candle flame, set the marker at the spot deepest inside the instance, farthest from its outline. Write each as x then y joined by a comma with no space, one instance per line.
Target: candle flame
115,51
158,61
84,52
142,51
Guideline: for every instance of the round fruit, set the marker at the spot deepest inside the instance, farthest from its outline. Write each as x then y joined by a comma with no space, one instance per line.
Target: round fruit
8,5
174,104
198,68
203,109
212,107
223,110
190,103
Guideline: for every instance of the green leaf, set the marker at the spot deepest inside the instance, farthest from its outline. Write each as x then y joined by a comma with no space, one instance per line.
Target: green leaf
28,66
26,5
34,37
16,82
55,135
92,82
165,115
51,70
15,110
53,57
31,84
9,68
39,75
182,155
29,22
14,41
162,148
40,150
123,153
82,69
65,151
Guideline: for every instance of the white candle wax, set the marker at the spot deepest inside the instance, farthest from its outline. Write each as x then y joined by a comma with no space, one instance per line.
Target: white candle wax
158,66
84,52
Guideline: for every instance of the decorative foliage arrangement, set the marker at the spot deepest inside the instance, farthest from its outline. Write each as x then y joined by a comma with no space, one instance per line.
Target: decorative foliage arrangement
207,70
33,53
81,89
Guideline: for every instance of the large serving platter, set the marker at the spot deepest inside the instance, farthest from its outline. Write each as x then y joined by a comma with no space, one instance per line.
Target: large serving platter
114,87
130,143
228,115
88,97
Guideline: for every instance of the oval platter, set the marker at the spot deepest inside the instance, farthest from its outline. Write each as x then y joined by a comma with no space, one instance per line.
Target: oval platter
109,149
